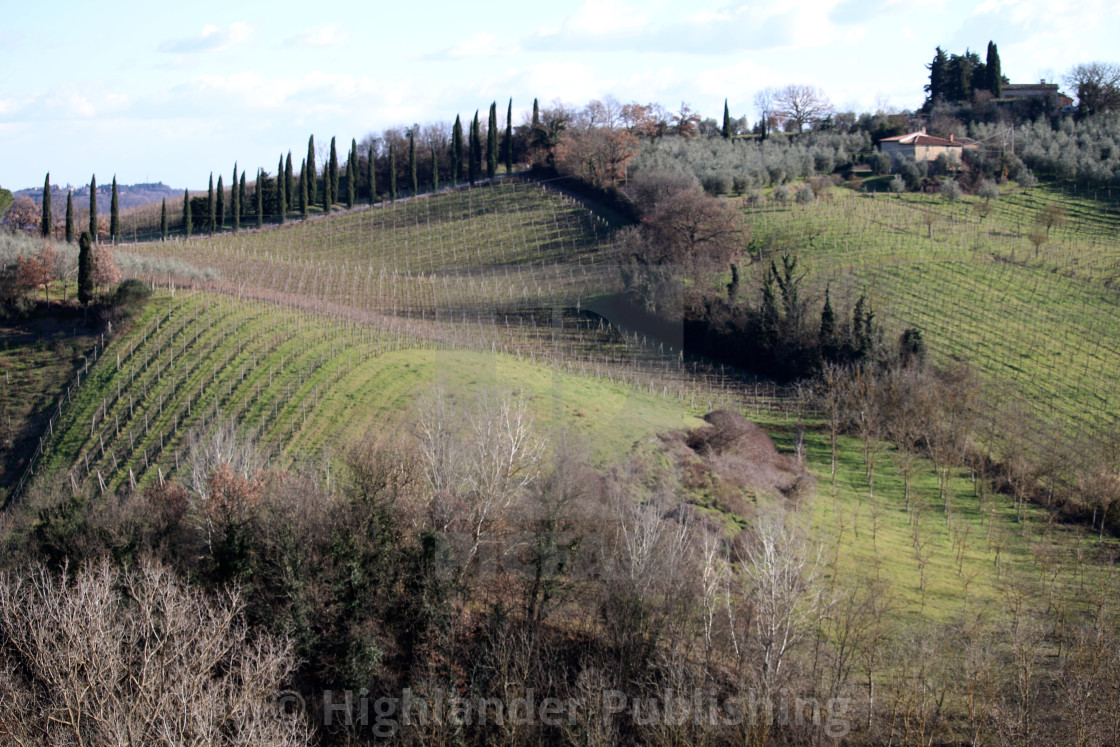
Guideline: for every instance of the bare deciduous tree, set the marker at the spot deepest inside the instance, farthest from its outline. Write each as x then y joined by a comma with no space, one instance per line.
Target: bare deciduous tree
803,105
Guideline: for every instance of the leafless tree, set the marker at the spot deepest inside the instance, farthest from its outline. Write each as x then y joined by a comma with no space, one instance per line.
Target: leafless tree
104,657
1097,85
803,105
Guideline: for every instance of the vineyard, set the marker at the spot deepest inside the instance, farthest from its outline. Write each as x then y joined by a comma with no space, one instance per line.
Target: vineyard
1039,323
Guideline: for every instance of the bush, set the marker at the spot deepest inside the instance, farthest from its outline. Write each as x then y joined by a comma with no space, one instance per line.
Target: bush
131,295
988,190
880,164
717,184
897,184
950,191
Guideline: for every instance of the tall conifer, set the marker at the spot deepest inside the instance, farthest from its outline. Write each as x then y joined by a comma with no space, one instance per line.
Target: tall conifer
235,201
371,166
413,177
492,141
289,183
221,211
281,192
332,170
352,174
163,220
243,196
45,218
69,217
211,206
93,207
726,132
992,71
312,176
85,268
114,214
456,150
260,197
509,137
473,156
187,221
303,179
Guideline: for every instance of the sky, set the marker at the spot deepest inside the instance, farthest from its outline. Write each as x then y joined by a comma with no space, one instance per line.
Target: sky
117,88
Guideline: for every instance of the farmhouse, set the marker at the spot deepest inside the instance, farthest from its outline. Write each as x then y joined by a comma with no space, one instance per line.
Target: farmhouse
1045,93
920,146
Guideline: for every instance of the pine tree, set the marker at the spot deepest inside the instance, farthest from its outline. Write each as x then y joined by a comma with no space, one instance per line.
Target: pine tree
352,175
509,137
332,169
69,217
413,177
85,269
371,166
392,174
45,219
163,220
726,122
303,179
235,201
289,183
210,206
187,222
938,79
492,142
93,207
281,192
221,212
114,214
312,176
993,72
259,190
243,196
456,149
435,171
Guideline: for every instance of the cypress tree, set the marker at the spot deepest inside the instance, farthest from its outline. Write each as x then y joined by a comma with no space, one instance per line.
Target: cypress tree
352,175
281,192
726,122
536,115
435,171
45,218
370,165
303,179
69,217
938,79
114,214
163,220
235,201
187,222
93,207
392,174
509,137
993,72
413,178
332,171
210,206
85,268
242,195
259,189
477,147
289,183
313,178
826,338
456,149
492,142
473,156
221,212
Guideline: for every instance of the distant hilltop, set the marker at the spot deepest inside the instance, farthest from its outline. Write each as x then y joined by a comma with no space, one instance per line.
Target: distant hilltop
128,195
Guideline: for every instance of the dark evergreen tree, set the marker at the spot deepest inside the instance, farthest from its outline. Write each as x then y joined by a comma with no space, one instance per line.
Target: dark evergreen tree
259,190
163,220
93,207
69,217
303,187
958,82
413,177
281,192
243,196
473,156
85,269
371,177
211,206
312,176
352,174
536,121
45,227
456,150
332,173
114,214
826,337
509,137
221,210
435,171
937,89
992,71
187,221
289,183
235,201
726,131
492,142
477,147
392,174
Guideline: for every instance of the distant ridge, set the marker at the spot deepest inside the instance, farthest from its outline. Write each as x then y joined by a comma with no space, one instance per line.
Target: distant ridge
129,195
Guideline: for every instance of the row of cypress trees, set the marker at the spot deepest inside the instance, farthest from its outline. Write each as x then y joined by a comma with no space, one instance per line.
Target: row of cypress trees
285,192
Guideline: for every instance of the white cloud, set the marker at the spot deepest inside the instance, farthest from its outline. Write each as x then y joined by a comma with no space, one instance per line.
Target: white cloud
212,38
331,35
482,44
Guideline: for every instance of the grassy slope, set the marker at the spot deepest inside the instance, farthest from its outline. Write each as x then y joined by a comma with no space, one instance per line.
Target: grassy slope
1043,328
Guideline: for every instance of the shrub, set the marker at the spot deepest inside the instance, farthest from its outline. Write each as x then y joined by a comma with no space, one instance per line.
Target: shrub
950,191
131,295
